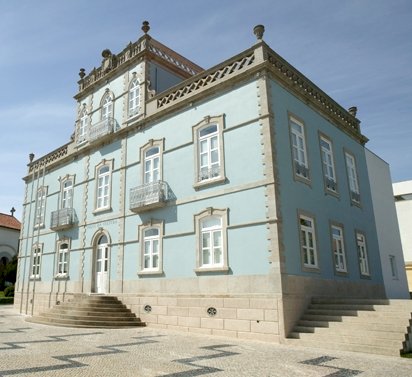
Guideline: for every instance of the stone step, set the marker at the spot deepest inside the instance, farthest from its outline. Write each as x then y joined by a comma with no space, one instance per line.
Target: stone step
89,311
353,338
373,349
84,312
83,323
131,317
360,325
91,308
349,301
367,326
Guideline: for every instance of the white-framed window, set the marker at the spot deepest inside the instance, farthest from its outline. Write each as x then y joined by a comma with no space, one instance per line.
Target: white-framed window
211,231
107,106
63,252
394,267
40,206
308,241
103,185
338,247
328,163
134,97
151,246
352,177
36,261
362,254
151,249
82,128
67,193
298,145
209,153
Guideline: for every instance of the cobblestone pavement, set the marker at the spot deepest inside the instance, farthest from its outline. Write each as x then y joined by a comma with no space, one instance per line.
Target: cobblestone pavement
28,349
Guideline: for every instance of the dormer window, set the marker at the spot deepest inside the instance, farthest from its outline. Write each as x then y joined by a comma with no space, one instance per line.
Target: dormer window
134,97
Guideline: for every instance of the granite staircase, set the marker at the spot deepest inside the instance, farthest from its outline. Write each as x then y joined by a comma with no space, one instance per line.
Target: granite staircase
95,311
360,325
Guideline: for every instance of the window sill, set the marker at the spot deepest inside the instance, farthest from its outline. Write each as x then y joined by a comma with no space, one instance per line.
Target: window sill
209,182
200,270
133,117
35,278
312,269
62,277
363,276
98,211
150,273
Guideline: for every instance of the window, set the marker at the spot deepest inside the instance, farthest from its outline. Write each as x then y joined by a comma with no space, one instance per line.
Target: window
40,206
363,254
211,238
82,130
63,258
352,178
103,186
328,164
67,193
151,235
300,160
151,249
308,242
107,107
394,268
152,165
36,261
134,97
338,249
209,157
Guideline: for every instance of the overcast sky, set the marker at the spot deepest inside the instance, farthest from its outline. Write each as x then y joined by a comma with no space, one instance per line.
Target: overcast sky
357,51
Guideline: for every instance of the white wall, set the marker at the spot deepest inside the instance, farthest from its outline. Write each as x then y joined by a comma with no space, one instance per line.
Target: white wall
387,226
403,202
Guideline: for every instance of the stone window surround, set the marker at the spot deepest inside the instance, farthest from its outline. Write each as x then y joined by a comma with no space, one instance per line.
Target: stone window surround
62,276
152,143
296,119
36,246
308,268
219,120
359,232
110,164
223,214
328,139
152,223
341,227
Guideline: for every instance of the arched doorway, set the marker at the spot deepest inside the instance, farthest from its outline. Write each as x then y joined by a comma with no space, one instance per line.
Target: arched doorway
101,264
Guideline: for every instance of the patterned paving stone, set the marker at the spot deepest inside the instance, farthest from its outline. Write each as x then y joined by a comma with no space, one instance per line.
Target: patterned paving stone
28,349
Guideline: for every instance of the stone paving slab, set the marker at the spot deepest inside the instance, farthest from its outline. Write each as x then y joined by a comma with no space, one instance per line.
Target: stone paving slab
29,349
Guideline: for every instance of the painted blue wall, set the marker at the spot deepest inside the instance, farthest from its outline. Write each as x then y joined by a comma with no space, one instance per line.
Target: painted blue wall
295,195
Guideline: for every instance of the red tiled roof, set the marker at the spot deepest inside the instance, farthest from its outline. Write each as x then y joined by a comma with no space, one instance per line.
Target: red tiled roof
8,221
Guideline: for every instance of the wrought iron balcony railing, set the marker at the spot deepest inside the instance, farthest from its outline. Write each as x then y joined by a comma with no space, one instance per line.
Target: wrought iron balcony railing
100,129
63,219
148,196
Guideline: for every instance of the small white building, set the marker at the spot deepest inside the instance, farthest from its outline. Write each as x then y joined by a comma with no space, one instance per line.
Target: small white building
403,202
9,237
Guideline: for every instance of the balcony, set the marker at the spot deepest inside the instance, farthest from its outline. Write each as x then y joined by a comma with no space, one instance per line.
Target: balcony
100,129
63,219
148,196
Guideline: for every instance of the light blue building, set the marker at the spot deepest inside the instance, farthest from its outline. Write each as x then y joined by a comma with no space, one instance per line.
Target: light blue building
217,201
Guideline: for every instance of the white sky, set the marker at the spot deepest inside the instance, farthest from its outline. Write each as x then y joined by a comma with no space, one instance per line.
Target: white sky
357,51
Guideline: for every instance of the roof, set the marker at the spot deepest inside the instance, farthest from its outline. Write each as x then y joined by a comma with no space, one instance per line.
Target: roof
8,221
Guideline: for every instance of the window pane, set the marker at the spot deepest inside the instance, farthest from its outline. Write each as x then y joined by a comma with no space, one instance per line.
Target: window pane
206,240
151,232
208,130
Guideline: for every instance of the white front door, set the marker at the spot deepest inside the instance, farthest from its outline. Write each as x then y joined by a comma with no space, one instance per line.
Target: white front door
102,266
